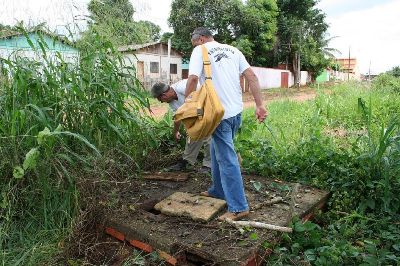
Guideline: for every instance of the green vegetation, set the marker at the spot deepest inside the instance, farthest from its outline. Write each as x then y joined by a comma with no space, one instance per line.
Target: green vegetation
395,71
113,21
251,26
301,37
387,82
267,32
346,141
62,124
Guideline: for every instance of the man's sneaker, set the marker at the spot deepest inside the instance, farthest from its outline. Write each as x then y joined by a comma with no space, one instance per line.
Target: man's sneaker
181,165
204,170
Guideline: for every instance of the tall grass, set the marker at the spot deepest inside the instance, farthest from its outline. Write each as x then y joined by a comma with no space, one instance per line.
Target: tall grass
56,119
346,141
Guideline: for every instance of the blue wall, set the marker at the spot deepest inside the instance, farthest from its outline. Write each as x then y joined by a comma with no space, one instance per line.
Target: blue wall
21,42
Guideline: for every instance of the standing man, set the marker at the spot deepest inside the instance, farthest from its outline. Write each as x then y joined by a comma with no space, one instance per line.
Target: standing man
227,64
174,95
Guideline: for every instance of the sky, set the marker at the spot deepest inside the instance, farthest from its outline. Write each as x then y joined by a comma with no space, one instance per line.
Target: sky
369,29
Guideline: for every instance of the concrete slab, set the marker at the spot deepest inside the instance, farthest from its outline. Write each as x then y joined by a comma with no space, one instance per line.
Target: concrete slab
196,207
188,242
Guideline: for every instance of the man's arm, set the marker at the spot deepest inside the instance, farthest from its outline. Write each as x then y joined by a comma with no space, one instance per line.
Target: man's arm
177,125
191,84
261,112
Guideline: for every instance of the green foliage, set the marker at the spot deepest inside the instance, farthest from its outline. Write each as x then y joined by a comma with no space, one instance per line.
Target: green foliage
387,82
347,142
219,16
258,26
57,121
113,21
150,30
301,34
251,26
395,71
353,240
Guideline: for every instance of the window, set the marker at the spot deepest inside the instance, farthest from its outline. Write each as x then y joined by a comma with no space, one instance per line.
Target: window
154,66
173,69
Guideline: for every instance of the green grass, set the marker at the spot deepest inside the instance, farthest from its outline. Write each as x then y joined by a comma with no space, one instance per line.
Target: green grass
346,141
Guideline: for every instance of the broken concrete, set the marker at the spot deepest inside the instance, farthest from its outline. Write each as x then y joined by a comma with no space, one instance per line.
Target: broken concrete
195,207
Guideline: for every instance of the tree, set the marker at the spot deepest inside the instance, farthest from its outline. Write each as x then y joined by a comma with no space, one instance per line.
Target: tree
257,30
113,21
220,16
150,31
166,36
251,27
395,71
301,32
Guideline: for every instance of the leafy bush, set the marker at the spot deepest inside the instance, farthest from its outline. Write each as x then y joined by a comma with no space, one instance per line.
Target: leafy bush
387,82
395,71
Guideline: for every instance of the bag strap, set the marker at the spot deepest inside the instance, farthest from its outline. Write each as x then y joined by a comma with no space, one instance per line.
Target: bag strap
206,62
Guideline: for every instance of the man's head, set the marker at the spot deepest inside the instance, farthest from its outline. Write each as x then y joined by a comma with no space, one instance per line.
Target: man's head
163,92
200,36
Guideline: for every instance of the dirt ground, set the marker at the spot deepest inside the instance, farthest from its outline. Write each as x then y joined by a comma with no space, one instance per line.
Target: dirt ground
300,95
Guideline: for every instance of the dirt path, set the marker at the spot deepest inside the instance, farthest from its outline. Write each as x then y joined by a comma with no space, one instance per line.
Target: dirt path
300,95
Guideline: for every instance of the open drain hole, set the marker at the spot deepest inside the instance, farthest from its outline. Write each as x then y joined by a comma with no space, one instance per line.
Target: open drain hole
154,211
149,204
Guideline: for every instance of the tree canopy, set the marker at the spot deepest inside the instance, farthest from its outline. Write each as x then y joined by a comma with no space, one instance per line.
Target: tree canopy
113,20
268,32
301,36
251,27
395,71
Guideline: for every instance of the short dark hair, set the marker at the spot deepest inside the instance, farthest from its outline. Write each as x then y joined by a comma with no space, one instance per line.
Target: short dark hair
201,31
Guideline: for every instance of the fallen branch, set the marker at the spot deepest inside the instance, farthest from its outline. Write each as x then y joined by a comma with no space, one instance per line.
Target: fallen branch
259,225
267,203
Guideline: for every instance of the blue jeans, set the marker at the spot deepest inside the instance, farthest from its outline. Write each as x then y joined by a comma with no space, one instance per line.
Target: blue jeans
227,182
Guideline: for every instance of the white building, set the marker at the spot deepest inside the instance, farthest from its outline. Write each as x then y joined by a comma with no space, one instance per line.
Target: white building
153,62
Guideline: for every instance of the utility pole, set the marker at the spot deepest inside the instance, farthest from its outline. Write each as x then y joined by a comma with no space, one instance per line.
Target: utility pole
348,70
169,62
369,71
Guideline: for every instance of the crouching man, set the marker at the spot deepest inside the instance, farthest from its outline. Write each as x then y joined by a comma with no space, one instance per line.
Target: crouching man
174,95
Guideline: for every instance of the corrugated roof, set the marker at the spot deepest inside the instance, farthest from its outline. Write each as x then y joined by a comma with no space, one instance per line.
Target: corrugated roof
60,38
134,47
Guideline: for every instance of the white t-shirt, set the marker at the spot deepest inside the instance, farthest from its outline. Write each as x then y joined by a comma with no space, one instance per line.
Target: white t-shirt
179,88
227,64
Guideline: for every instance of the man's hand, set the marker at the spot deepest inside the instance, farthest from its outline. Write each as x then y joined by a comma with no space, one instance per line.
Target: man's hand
176,133
177,136
261,113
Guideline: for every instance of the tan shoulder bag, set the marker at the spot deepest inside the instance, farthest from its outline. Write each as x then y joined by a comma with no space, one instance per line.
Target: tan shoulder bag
202,111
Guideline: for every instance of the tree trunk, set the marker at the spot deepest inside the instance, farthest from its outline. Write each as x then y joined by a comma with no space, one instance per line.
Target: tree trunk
296,69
